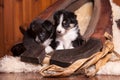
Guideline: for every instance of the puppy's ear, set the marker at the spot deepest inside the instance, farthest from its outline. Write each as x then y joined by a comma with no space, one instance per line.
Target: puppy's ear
56,16
35,24
73,18
22,30
47,25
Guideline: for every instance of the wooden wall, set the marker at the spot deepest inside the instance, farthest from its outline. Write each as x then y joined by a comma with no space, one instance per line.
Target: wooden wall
14,13
117,2
1,28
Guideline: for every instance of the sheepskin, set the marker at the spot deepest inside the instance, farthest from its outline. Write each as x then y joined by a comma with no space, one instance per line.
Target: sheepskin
84,14
13,64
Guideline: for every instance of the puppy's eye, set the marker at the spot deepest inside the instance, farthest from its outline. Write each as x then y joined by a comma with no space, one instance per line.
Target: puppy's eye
65,24
33,27
42,34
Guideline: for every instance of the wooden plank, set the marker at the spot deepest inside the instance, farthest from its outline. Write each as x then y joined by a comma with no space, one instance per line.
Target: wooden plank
8,76
27,15
1,3
37,76
18,19
1,29
39,6
43,5
8,25
117,2
36,8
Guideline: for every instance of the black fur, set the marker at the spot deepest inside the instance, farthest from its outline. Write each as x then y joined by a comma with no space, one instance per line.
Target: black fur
42,29
18,49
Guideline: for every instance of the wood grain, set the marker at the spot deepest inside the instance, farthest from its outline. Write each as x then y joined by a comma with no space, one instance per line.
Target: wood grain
117,2
37,76
18,19
14,13
1,28
8,25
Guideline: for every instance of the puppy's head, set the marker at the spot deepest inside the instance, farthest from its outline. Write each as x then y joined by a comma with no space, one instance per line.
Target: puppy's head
40,30
64,20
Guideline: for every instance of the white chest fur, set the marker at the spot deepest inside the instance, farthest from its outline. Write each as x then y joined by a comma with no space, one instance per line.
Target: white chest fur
65,41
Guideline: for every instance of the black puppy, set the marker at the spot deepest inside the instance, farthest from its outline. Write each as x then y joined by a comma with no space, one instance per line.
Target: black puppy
67,30
43,32
39,32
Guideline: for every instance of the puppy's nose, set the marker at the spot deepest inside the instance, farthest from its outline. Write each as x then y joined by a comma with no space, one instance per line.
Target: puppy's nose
58,32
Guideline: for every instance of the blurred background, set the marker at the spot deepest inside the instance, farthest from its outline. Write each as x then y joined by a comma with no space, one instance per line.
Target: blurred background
14,13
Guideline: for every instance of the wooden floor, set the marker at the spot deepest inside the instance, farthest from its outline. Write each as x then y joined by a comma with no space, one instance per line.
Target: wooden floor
37,76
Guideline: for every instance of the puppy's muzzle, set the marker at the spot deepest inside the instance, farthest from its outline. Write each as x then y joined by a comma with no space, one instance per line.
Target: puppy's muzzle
58,32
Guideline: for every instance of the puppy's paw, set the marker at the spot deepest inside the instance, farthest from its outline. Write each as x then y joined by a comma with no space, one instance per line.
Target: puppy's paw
48,49
60,46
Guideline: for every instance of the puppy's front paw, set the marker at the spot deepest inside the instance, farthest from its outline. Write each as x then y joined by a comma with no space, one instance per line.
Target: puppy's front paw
48,49
60,46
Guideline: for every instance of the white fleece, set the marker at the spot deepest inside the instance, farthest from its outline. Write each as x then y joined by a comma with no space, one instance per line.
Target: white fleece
13,64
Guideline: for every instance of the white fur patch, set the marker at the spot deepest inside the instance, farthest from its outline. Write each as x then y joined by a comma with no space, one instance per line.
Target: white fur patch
65,41
47,42
60,46
60,27
110,68
48,49
37,39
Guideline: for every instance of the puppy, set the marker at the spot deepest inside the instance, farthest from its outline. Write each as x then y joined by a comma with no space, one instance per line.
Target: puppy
67,31
40,32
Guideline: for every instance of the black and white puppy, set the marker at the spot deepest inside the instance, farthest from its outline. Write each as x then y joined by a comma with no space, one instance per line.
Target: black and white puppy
39,32
42,32
67,31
